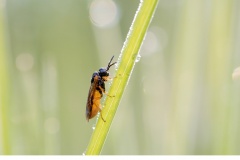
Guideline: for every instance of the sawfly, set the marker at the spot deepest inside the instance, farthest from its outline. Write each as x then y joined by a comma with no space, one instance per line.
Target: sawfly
96,91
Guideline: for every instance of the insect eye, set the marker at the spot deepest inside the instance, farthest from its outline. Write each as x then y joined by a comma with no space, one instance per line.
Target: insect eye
101,70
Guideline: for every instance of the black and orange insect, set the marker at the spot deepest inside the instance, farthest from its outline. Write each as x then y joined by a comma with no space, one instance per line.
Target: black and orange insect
96,91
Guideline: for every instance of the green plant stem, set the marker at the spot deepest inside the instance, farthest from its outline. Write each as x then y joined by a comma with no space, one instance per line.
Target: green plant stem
4,91
125,65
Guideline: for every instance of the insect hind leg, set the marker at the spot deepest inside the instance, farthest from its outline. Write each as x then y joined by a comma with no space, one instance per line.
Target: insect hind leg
100,110
102,117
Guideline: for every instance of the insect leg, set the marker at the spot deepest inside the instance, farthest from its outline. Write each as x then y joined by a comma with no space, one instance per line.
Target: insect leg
103,91
116,76
100,110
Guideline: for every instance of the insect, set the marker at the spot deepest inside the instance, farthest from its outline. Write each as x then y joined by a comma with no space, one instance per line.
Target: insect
96,91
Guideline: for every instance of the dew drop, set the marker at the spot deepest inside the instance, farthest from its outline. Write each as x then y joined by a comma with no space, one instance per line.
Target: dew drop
138,58
116,66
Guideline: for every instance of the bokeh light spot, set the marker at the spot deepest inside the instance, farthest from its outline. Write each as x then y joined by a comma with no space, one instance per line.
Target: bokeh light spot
151,42
52,125
236,74
24,62
103,13
155,41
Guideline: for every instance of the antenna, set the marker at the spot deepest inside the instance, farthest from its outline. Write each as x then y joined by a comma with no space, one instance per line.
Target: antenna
109,64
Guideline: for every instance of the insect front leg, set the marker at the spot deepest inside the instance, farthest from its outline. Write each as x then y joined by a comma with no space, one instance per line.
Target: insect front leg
103,91
117,76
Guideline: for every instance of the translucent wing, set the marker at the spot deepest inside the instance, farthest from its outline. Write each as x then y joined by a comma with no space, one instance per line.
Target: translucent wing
90,97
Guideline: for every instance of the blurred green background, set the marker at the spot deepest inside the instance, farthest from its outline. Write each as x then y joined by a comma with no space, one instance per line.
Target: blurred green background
183,96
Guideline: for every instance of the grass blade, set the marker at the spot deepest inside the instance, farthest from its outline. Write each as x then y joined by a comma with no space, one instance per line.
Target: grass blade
125,66
4,90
